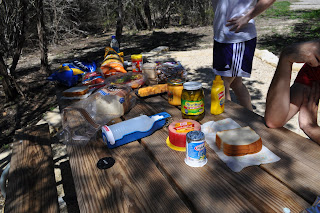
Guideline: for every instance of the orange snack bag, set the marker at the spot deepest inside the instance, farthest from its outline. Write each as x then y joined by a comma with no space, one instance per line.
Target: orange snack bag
112,63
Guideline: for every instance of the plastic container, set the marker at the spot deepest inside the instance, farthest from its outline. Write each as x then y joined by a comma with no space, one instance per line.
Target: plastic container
114,44
217,96
84,118
175,87
132,79
195,149
149,70
192,101
136,61
133,129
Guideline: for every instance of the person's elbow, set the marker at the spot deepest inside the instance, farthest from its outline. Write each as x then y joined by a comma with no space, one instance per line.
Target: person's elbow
272,122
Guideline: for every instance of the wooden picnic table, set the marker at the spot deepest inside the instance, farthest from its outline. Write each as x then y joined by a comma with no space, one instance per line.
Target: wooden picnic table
148,176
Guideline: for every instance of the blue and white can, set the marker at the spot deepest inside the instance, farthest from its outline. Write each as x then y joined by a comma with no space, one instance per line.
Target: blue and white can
196,155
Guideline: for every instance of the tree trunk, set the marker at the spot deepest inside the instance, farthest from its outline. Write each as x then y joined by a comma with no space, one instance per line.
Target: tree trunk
20,40
202,12
42,37
139,20
8,83
147,12
119,22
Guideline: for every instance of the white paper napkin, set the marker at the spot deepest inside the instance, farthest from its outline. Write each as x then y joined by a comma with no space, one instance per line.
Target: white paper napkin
236,164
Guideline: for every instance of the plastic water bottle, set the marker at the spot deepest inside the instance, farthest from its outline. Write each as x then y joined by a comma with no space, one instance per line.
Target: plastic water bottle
142,123
114,44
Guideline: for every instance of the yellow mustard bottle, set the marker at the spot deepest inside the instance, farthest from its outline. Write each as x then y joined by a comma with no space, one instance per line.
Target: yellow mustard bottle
217,96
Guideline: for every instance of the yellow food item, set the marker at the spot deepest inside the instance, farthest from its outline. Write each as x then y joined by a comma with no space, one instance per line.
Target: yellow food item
152,90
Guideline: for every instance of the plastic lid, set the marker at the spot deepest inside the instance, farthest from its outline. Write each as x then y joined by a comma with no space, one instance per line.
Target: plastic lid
113,36
175,81
139,56
192,85
109,135
195,135
218,80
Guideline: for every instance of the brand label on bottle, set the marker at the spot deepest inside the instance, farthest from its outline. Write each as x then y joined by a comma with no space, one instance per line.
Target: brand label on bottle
184,127
192,107
221,98
107,135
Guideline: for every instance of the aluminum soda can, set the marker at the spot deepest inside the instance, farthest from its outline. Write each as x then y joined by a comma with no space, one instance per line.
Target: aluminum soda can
196,155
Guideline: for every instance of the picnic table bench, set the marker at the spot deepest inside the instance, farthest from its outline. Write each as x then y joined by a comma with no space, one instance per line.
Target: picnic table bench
31,181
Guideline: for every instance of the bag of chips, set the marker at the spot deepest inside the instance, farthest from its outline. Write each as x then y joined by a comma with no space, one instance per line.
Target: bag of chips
69,74
112,63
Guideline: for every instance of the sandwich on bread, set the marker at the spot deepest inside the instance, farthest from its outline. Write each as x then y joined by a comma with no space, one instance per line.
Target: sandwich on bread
76,91
239,142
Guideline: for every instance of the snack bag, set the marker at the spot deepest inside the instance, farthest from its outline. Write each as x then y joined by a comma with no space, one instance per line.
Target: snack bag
93,79
166,70
69,74
112,63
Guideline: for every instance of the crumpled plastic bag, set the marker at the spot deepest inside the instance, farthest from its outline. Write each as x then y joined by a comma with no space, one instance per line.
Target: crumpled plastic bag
170,69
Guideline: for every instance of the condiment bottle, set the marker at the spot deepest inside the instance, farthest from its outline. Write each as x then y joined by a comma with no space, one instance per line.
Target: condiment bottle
192,101
175,87
136,61
217,96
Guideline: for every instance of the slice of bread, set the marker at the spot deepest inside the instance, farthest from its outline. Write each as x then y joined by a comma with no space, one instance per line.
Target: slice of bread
76,91
239,142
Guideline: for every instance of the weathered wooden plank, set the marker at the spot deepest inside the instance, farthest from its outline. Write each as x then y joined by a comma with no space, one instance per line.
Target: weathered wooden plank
244,191
31,181
133,184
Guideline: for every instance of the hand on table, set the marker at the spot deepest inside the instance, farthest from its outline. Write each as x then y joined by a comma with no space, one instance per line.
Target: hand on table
309,110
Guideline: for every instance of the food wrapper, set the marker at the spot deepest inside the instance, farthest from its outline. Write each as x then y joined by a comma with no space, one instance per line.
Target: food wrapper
166,70
93,79
81,120
235,163
134,80
69,74
112,63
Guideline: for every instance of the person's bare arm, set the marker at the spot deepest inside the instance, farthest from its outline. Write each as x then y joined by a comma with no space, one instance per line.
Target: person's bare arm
309,112
239,22
281,105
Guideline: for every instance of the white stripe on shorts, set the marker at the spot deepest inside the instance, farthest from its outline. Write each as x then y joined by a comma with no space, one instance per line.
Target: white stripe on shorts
237,56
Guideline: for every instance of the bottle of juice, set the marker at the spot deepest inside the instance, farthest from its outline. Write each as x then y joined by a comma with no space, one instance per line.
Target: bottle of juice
217,96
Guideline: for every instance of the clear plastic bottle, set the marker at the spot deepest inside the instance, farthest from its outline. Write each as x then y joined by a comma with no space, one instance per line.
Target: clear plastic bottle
217,96
114,44
142,123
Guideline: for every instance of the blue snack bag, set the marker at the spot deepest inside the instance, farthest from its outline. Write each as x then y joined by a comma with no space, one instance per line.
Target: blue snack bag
69,73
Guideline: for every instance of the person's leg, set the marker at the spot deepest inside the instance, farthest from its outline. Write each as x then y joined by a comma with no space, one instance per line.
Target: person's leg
241,93
227,82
